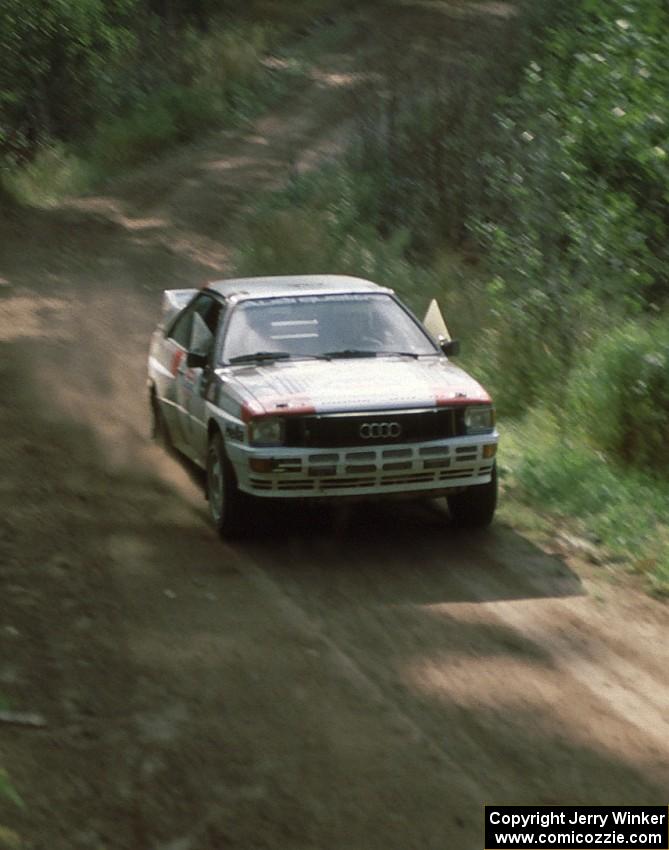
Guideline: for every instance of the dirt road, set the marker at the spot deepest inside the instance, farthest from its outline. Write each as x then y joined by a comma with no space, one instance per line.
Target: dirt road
345,680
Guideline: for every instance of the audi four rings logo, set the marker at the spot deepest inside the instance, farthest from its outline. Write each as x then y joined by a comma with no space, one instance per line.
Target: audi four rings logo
380,430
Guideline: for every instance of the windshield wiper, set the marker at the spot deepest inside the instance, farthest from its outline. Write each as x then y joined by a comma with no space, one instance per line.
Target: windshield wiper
356,352
260,356
350,352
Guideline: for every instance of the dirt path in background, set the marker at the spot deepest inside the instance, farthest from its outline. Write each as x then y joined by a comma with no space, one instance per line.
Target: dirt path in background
355,680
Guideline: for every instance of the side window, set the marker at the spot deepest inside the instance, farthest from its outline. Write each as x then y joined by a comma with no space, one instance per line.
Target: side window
205,323
181,329
207,310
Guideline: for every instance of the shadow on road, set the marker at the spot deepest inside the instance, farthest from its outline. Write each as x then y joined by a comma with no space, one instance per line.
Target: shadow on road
409,545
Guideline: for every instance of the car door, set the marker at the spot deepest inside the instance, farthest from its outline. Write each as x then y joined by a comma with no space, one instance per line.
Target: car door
177,341
207,318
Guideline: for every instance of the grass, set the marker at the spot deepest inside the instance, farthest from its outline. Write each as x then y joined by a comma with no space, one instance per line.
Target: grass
622,509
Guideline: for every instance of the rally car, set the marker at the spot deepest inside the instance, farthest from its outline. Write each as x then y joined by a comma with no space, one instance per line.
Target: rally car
318,387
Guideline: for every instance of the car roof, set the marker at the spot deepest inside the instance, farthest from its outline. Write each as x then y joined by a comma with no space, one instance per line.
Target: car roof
244,288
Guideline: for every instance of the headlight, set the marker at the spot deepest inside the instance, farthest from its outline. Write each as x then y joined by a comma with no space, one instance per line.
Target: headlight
479,420
267,431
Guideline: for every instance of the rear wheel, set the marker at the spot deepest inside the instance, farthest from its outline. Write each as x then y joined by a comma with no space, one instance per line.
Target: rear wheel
475,506
158,426
229,508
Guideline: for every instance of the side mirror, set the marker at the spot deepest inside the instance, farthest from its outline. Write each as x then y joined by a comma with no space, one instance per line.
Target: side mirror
195,360
450,347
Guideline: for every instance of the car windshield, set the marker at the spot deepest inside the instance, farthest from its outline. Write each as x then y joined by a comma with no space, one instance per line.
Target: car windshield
353,325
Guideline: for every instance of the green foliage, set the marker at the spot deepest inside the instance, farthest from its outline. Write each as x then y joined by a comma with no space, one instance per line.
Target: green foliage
557,168
200,13
620,395
419,139
55,171
176,114
623,508
583,153
128,140
227,55
577,185
54,70
191,110
425,120
224,81
313,227
93,86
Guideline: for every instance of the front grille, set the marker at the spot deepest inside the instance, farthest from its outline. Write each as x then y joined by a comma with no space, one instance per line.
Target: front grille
338,430
378,480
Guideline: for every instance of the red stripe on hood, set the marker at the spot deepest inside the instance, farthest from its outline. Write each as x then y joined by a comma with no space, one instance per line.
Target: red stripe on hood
442,399
286,406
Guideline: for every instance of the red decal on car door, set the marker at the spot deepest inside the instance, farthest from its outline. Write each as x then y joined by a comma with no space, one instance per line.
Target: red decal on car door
176,360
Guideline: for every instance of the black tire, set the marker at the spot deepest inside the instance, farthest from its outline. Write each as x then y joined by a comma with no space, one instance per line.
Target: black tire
158,426
475,506
230,509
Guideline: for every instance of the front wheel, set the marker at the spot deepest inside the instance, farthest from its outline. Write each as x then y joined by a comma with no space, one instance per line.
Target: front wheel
475,506
229,508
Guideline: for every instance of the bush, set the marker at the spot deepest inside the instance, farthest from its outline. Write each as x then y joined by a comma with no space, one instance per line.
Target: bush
53,173
146,131
620,394
624,509
192,110
576,186
225,55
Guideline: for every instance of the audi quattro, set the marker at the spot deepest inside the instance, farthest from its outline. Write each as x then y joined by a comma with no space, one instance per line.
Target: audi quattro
318,387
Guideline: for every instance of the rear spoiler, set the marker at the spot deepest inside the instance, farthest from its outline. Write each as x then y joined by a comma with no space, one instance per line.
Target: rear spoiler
174,300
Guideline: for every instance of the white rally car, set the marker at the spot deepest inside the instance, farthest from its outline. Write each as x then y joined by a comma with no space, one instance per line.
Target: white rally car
318,387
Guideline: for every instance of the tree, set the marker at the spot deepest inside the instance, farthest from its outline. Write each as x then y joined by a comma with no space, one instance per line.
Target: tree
55,57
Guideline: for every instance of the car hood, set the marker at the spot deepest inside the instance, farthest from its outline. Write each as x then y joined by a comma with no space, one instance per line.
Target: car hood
333,386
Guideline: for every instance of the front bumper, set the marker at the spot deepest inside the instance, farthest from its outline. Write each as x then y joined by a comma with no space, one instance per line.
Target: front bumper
436,466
